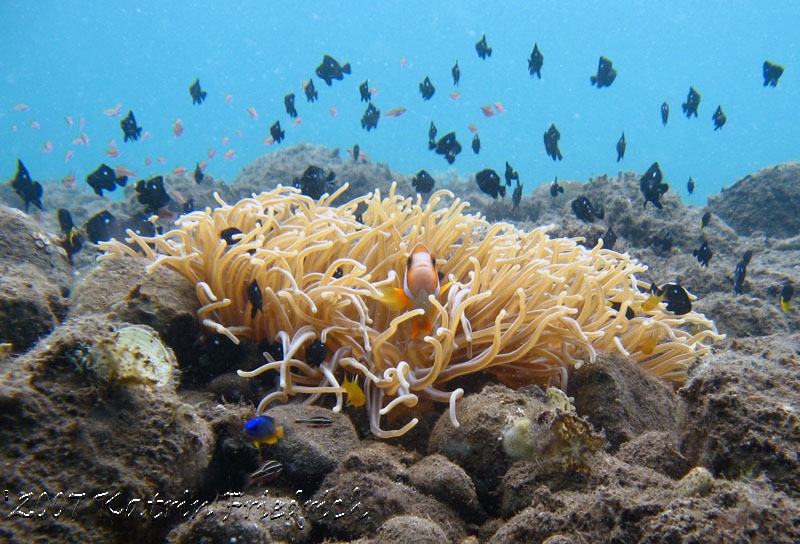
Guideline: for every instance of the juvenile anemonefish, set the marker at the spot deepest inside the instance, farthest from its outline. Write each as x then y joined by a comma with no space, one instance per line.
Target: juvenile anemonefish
421,280
355,395
263,430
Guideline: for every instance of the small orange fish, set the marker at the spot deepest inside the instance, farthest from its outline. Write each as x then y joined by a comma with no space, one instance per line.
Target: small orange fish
148,161
122,171
228,98
229,154
179,171
177,128
36,125
420,281
77,141
269,140
68,156
161,160
373,90
225,140
85,138
113,112
81,123
47,147
334,111
211,152
403,62
498,106
395,112
21,107
253,113
487,110
239,132
455,95
68,120
297,121
473,129
69,181
145,136
112,152
203,165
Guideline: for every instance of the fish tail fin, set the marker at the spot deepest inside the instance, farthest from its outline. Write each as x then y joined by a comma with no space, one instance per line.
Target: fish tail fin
421,326
346,68
121,180
489,51
431,145
593,79
394,298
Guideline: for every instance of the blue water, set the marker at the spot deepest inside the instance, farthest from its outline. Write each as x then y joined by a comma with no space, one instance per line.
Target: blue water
78,58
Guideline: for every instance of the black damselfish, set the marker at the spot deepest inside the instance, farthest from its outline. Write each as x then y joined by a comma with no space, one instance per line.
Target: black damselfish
692,101
705,220
555,188
605,74
536,61
740,272
28,190
584,210
288,104
363,89
426,88
676,297
198,95
370,118
311,92
621,147
105,178
703,254
551,138
651,187
489,183
276,132
256,298
198,174
456,73
315,182
330,69
690,185
719,118
449,147
129,127
609,238
152,194
664,113
423,182
511,174
771,73
516,196
432,136
72,240
483,48
476,143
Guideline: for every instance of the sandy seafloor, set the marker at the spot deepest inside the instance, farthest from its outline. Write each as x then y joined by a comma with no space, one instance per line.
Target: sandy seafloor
715,460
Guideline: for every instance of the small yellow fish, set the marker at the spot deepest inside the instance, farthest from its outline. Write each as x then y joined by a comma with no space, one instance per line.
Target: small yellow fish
355,395
650,343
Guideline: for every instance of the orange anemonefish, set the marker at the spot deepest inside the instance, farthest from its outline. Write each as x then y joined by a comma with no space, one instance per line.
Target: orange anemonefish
421,280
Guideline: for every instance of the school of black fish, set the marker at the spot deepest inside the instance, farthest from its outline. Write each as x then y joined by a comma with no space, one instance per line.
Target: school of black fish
153,195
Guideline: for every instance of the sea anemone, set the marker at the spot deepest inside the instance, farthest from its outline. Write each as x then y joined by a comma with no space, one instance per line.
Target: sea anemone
522,305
